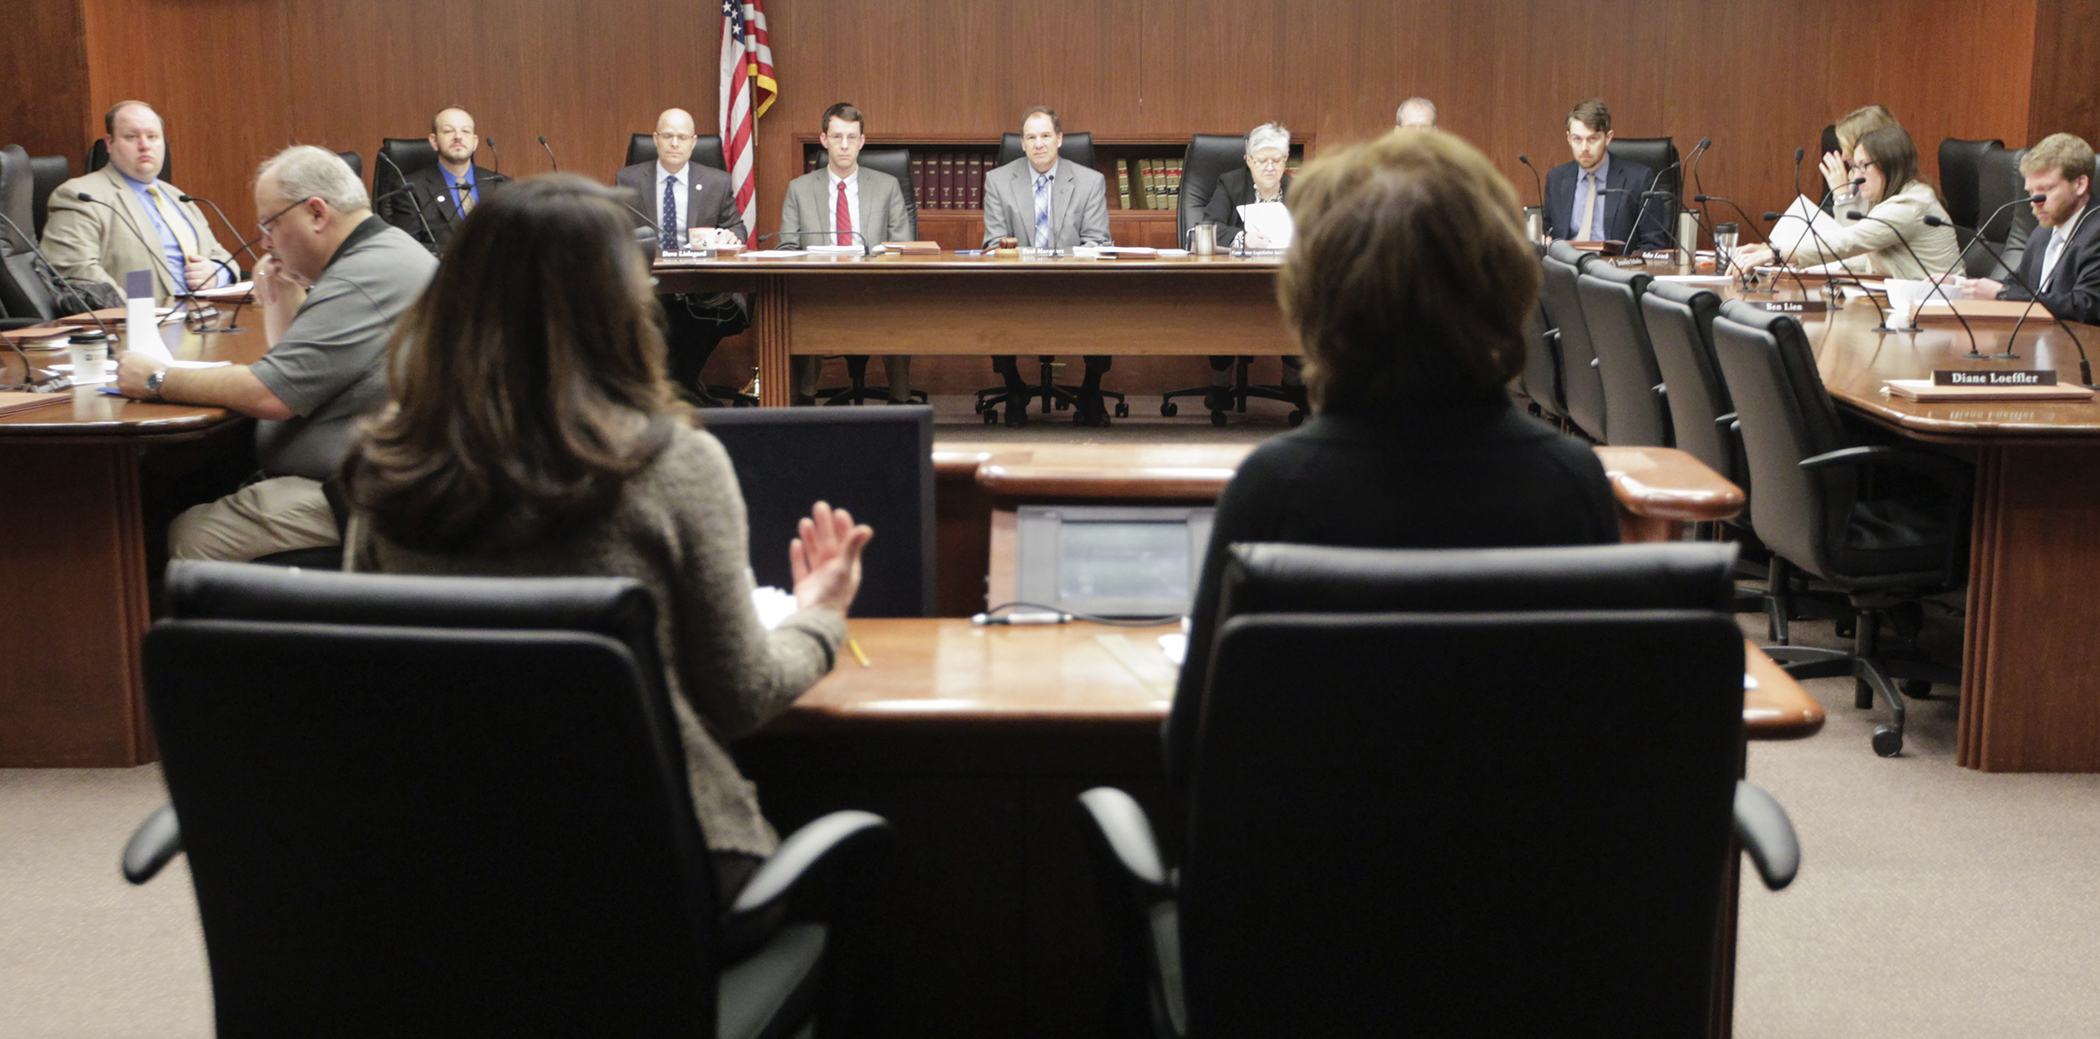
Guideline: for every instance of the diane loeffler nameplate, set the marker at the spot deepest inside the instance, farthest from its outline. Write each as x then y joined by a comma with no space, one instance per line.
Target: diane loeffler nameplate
1993,377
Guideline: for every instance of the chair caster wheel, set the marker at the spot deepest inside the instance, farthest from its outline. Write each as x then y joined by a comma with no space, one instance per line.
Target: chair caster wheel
1888,741
1016,417
1122,409
1297,419
1217,418
1063,404
1915,688
1169,409
991,418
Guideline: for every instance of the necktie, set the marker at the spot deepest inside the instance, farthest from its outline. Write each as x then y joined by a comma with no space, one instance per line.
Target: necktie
670,220
1588,208
2053,253
466,196
177,224
1042,209
844,221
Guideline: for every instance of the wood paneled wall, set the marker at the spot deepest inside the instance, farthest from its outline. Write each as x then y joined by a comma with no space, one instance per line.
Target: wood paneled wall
240,78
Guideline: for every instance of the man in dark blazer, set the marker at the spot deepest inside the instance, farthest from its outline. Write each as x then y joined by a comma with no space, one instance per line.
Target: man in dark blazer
2061,268
444,194
1073,211
687,204
1609,188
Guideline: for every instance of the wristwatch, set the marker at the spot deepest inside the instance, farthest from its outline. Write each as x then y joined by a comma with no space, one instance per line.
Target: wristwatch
153,382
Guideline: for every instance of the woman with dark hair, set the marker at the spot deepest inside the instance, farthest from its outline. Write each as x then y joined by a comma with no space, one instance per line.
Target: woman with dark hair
1407,287
534,433
1884,163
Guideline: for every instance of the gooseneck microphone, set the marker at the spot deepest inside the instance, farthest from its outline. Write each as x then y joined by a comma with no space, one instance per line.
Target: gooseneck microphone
495,158
550,152
2085,365
408,189
246,246
1936,286
1934,221
1535,181
866,247
1699,186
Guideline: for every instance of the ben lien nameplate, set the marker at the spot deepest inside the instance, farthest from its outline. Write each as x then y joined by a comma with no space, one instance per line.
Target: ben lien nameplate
1997,377
1790,306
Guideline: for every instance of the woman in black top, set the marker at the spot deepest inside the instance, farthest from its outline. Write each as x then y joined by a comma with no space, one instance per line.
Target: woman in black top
1406,286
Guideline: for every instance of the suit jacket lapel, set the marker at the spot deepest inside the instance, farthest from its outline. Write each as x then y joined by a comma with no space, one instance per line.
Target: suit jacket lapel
133,213
1061,199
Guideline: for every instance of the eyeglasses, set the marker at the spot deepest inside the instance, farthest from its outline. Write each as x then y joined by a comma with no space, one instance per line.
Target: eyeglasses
676,138
1590,141
264,226
1269,163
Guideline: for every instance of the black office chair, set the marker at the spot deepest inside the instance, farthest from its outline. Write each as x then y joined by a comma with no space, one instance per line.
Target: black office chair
459,806
1077,148
48,172
355,161
17,184
707,150
1580,383
1680,321
875,462
1210,156
1659,154
897,163
1999,182
26,294
98,157
397,159
1961,169
1635,413
1369,851
1540,381
1882,524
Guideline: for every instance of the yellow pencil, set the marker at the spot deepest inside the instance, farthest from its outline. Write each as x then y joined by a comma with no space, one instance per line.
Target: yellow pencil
858,653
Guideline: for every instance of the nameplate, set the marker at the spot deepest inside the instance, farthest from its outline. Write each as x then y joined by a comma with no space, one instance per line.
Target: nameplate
1790,306
1628,261
1660,256
1994,377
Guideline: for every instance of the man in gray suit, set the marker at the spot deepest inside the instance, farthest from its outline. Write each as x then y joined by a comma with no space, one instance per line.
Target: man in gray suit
843,204
692,204
1046,202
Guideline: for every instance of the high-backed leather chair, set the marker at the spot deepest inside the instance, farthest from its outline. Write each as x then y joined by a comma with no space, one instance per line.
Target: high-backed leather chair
1659,154
1367,852
459,806
1580,383
49,171
707,150
1881,539
1961,168
1999,182
1077,148
1635,414
355,161
897,163
17,184
1210,156
875,462
98,157
1680,322
1541,379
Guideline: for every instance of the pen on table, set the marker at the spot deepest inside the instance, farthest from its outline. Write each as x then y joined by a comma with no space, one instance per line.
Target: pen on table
858,653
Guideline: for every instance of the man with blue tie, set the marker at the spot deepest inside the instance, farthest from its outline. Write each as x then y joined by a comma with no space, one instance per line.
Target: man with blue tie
692,204
1043,201
1595,198
130,219
447,192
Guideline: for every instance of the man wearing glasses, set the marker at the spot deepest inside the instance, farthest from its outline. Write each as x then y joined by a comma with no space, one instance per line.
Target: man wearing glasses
687,204
333,281
1595,198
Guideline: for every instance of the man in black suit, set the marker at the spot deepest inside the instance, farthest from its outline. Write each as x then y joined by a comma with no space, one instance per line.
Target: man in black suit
444,194
1596,197
2061,268
688,204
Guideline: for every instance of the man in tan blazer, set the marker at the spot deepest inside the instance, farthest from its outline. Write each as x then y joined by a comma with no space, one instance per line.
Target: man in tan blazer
131,220
874,209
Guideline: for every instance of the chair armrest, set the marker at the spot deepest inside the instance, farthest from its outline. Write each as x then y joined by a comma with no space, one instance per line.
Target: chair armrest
837,836
152,845
1764,830
1128,835
1951,473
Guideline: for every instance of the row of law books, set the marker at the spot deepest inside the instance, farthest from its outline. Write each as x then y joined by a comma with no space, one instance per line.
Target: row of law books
1158,182
939,180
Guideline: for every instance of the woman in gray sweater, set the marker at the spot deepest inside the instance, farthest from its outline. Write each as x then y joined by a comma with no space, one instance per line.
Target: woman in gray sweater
534,434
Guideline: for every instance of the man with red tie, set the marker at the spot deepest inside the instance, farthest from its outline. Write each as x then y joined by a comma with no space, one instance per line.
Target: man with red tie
846,204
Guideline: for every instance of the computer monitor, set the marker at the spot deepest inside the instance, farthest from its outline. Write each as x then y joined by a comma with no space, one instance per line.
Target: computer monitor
1110,560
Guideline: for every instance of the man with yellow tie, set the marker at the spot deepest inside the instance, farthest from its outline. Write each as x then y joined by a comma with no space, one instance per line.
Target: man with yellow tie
124,218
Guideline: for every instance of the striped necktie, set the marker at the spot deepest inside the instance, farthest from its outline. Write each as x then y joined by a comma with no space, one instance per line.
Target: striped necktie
843,221
1042,209
670,220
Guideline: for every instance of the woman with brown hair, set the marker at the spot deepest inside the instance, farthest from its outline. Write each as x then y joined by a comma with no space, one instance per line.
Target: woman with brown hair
534,433
1892,237
1407,287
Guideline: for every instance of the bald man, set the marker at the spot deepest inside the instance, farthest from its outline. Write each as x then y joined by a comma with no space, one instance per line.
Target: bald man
687,202
441,196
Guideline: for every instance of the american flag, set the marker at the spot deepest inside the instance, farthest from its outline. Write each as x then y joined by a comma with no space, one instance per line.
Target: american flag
747,91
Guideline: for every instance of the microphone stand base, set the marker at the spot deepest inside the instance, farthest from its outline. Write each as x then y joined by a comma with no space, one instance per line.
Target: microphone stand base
1886,329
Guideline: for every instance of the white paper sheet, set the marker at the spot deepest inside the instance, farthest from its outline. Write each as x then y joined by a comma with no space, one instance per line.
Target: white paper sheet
1794,225
1271,220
